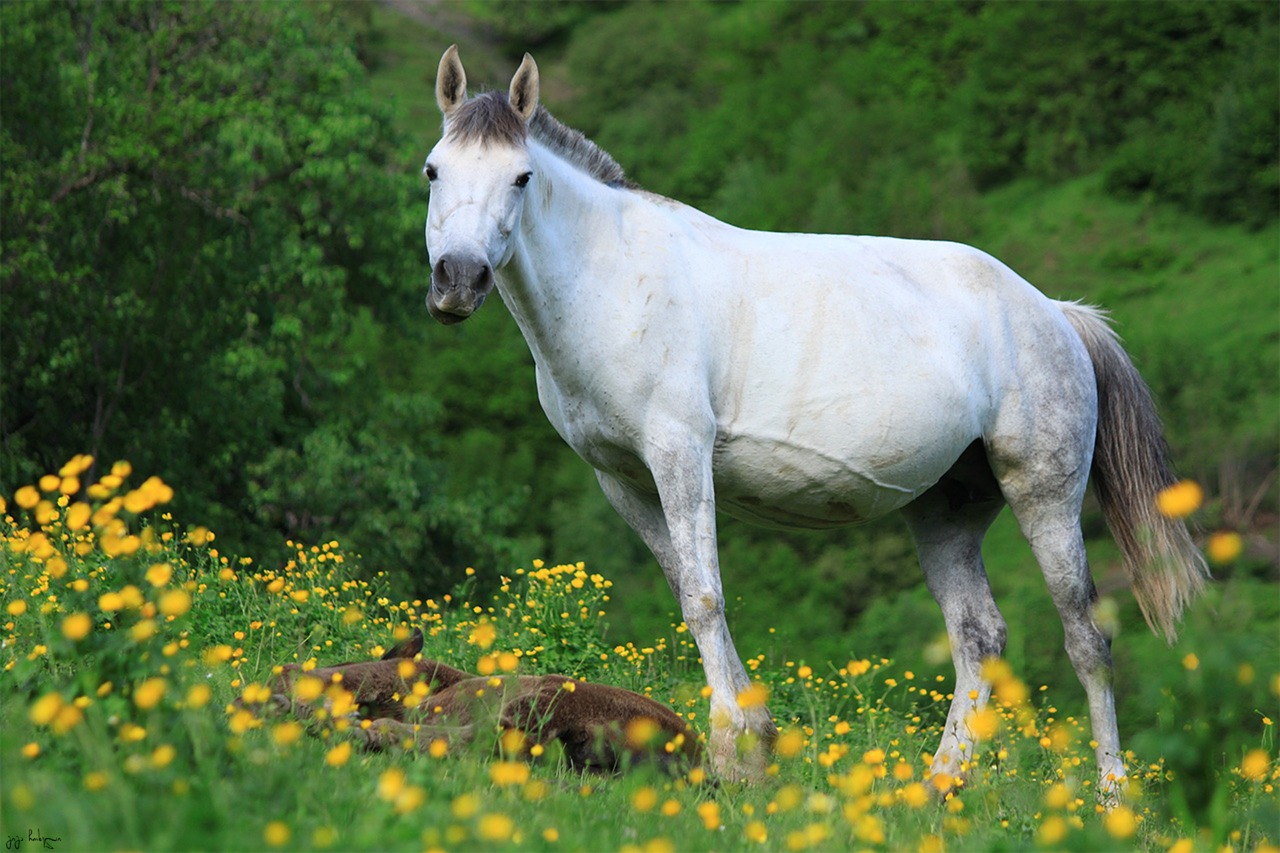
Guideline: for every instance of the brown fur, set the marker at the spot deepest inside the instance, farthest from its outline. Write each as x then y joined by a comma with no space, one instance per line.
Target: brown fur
599,727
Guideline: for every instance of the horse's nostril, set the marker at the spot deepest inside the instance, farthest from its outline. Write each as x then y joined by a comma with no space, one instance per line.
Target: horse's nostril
440,275
462,273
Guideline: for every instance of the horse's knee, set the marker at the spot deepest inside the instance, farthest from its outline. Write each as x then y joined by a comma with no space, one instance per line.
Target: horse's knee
1089,650
981,635
702,607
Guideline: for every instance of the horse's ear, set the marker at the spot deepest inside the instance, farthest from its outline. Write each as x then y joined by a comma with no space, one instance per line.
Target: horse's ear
451,81
524,88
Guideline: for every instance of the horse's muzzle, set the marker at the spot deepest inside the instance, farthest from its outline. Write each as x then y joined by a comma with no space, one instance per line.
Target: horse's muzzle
459,286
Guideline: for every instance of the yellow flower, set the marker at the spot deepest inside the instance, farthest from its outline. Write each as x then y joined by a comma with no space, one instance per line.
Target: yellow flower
131,733
753,696
670,808
175,602
149,693
873,756
307,688
159,574
1224,546
110,602
242,721
390,784
465,806
915,795
286,733
1191,662
77,516
551,835
710,814
132,596
277,833
1057,797
17,607
45,709
789,743
1052,830
27,497
95,781
495,827
1120,822
162,755
1255,765
339,755
756,831
644,799
483,635
143,631
77,626
984,724
199,695
1180,500
219,654
504,773
31,750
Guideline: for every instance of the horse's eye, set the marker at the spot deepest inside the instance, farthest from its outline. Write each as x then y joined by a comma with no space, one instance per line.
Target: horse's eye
523,180
430,172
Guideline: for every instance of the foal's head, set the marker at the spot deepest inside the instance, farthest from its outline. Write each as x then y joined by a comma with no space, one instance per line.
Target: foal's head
479,172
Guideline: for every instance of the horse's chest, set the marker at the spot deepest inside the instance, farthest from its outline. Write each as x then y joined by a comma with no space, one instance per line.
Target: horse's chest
596,429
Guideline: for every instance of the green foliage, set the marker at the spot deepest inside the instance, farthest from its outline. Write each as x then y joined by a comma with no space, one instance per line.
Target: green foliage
190,237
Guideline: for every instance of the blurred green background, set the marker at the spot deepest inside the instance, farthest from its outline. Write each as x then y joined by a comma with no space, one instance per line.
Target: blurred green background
213,266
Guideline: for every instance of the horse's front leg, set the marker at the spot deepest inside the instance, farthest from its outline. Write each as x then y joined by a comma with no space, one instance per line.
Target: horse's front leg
679,527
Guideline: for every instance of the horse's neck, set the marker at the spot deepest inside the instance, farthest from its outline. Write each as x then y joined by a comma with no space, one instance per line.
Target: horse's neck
569,232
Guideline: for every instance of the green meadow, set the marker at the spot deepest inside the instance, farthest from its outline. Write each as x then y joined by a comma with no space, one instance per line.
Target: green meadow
129,635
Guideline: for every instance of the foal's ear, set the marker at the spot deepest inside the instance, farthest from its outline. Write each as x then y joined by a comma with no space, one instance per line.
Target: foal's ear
451,81
523,96
408,649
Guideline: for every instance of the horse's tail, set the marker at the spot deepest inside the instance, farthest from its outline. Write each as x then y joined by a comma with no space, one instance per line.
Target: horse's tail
1130,466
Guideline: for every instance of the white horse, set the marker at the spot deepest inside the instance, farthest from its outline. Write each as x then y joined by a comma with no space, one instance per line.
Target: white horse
804,381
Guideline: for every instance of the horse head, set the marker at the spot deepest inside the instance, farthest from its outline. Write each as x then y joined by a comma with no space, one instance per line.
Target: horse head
478,172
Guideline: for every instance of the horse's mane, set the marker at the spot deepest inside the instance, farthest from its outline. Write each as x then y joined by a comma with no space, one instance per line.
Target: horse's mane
489,118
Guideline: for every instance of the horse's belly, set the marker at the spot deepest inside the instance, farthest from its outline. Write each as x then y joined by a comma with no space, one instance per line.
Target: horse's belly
784,485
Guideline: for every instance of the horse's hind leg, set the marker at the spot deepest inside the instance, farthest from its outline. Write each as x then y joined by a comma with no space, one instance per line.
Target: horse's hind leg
948,523
1043,472
1057,542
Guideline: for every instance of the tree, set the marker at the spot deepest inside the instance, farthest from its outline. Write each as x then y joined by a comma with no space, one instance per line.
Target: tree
200,199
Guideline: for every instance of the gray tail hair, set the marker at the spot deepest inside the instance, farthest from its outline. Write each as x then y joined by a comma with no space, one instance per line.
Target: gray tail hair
1130,466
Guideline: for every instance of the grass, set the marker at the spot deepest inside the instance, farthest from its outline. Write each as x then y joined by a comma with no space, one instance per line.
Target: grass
129,635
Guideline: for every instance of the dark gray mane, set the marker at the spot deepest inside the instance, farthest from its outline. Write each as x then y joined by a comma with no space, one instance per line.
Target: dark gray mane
489,118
